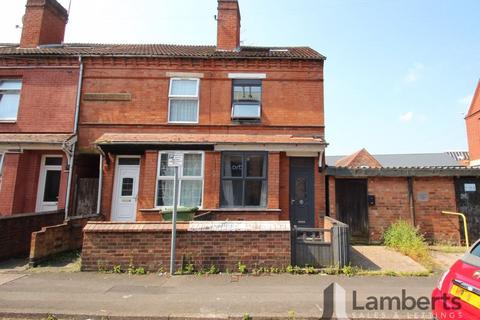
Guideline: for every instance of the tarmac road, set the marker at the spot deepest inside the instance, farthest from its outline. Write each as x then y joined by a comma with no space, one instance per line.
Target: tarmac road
97,295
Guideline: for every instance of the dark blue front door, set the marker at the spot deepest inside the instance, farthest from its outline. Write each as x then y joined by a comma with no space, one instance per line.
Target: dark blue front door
302,192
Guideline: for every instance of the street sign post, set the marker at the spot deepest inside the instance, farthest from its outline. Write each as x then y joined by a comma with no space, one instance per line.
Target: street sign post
175,160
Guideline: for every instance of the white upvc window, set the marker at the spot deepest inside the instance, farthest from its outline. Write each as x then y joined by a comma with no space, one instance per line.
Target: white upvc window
9,99
190,177
183,102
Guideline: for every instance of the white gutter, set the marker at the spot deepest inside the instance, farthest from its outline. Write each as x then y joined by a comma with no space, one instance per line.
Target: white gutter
75,129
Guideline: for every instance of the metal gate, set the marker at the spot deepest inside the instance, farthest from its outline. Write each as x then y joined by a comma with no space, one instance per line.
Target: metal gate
318,247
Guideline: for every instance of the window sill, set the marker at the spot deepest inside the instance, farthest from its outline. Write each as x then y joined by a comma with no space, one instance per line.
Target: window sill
8,121
182,123
242,210
150,211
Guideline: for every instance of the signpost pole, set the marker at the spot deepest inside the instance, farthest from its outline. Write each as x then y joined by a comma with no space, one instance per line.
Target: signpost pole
174,221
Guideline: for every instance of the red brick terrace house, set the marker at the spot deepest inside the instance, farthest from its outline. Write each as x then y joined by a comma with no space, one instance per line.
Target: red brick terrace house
250,121
370,192
38,95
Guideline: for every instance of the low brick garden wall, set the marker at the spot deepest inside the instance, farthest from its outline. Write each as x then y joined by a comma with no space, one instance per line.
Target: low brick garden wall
204,243
58,238
16,231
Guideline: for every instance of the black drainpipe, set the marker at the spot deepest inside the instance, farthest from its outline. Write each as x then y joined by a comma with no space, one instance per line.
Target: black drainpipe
411,201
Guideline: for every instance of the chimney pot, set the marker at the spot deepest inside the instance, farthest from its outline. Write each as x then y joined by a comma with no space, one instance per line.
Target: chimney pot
228,25
44,22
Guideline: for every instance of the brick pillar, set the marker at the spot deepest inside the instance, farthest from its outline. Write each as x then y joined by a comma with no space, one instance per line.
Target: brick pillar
211,185
9,181
319,195
107,187
284,188
148,181
273,180
62,194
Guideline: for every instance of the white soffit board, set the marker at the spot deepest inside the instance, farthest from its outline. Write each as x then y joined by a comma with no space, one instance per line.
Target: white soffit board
247,75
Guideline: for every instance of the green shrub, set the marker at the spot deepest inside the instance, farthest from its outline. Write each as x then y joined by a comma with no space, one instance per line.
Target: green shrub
405,238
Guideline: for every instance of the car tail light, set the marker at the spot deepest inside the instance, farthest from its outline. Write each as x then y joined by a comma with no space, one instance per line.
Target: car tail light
442,279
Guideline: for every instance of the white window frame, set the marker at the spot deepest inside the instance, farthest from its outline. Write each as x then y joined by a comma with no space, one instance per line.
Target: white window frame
242,118
195,97
19,93
180,177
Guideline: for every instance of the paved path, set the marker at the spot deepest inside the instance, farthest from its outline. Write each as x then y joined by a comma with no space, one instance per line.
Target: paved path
380,258
85,295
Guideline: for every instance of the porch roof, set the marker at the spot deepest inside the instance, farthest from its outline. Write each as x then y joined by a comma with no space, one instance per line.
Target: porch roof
34,140
279,142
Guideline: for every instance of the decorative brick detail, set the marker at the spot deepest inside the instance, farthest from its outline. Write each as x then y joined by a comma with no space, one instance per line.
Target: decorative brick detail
148,246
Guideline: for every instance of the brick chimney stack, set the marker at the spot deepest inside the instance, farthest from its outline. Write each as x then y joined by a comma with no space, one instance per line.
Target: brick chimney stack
228,25
43,23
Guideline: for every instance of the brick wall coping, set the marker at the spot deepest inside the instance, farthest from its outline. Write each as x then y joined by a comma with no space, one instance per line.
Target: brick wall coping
192,226
33,214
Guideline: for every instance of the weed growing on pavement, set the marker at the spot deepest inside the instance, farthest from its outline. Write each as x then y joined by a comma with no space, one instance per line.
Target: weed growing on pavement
292,315
406,239
242,268
246,316
213,270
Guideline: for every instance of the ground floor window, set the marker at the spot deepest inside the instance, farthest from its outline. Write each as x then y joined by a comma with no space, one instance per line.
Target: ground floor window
244,179
190,180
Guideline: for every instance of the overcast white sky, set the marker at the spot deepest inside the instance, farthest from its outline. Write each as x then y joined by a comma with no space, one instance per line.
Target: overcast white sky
399,74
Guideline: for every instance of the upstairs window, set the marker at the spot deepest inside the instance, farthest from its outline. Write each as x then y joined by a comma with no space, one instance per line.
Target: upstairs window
9,99
183,101
247,97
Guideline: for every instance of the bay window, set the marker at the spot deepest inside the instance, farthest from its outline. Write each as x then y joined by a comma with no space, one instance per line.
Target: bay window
9,99
183,100
190,178
244,179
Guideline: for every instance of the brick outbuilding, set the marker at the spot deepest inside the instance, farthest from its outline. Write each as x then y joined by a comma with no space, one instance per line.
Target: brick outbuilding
370,192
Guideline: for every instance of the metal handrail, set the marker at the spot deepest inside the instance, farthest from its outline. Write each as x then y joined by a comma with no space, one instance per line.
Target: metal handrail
467,242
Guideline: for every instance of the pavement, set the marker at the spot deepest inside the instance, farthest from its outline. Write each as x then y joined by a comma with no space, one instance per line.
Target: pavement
381,258
84,295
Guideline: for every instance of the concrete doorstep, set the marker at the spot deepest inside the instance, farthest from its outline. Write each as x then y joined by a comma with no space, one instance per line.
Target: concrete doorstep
100,295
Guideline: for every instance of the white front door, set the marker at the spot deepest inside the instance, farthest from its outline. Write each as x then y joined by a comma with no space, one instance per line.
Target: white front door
125,190
49,183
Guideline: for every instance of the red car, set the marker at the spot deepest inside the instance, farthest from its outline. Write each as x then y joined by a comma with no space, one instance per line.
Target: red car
457,295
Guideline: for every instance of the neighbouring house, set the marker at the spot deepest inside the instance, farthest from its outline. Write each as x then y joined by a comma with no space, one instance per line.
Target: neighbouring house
472,121
369,192
38,95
